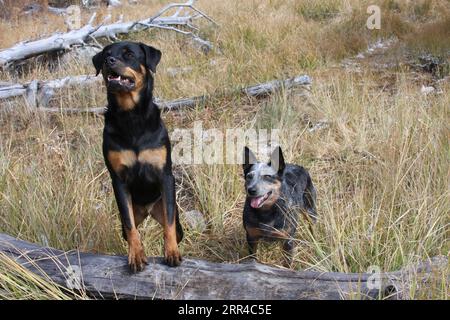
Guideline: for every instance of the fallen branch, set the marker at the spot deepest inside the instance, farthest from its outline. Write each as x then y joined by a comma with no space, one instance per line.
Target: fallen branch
57,41
258,90
40,94
105,276
45,90
64,41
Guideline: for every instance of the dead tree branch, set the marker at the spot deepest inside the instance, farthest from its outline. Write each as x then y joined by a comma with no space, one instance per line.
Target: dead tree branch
40,95
65,41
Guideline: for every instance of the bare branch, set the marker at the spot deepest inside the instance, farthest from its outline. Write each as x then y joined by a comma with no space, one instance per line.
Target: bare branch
45,91
65,41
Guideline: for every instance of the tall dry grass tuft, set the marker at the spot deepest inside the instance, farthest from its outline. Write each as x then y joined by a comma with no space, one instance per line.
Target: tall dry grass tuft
18,283
431,38
382,178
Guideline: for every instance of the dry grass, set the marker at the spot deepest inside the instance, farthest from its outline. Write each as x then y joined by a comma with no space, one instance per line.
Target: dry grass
381,166
17,282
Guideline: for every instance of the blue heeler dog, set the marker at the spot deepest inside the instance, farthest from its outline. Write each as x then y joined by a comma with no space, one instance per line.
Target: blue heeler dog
276,193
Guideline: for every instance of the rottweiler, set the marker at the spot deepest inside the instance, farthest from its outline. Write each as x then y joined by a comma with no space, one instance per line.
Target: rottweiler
136,148
276,193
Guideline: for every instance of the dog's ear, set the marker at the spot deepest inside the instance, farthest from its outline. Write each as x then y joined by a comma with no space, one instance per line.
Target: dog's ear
277,160
152,56
249,159
98,60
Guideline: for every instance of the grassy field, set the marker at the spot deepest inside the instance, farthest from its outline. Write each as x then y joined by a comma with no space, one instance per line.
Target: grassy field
380,162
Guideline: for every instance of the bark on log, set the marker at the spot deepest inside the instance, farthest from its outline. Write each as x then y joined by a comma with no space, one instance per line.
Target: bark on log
45,90
106,276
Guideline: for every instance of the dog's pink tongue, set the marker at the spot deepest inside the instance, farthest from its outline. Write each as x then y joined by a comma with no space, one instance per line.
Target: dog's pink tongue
256,202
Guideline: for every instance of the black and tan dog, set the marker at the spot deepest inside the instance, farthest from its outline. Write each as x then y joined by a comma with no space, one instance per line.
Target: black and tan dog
276,194
136,148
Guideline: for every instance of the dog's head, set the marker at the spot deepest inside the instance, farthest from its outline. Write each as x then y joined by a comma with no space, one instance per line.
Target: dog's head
263,180
125,66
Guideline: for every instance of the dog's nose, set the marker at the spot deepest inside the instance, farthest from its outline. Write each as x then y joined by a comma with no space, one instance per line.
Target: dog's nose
111,60
251,191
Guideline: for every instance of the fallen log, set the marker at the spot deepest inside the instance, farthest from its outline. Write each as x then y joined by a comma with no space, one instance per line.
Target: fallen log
106,276
65,41
258,90
45,90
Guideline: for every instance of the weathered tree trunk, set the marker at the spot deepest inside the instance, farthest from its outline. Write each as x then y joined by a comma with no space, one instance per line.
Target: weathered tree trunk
107,276
40,94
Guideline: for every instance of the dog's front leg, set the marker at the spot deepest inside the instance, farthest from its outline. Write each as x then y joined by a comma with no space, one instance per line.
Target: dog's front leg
252,246
288,252
171,253
136,256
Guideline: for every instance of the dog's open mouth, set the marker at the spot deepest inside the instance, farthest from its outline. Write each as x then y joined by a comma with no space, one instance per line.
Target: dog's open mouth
257,202
118,81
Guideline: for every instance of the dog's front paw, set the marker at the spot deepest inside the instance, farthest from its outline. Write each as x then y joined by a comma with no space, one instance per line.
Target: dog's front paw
137,259
172,257
250,259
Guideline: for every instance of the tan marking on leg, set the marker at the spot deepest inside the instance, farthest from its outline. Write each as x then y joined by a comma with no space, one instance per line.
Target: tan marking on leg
121,159
253,236
278,234
254,233
155,157
171,252
136,255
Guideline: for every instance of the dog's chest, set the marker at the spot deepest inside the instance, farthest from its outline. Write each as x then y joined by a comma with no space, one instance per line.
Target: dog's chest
127,160
277,223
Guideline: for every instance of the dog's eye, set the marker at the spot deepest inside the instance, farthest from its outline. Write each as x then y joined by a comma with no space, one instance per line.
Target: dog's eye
267,176
249,176
129,54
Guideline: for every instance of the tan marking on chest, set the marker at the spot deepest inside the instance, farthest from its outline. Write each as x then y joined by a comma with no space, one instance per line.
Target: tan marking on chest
155,157
121,159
